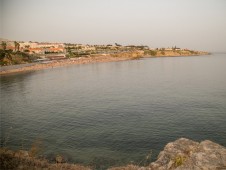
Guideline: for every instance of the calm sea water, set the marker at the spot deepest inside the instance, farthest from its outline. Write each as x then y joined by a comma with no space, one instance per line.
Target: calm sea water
109,114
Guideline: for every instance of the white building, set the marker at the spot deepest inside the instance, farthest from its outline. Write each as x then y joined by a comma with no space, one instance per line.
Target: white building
51,45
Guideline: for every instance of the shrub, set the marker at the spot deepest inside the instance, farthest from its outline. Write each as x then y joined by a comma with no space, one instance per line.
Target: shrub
153,53
179,160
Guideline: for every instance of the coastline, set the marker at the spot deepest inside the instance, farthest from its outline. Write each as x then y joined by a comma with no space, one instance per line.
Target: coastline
180,154
62,63
91,59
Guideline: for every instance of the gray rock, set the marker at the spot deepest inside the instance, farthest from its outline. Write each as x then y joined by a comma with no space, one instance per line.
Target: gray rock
187,154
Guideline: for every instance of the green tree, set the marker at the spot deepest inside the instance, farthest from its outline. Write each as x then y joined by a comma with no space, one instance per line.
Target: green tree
4,45
153,53
17,46
27,46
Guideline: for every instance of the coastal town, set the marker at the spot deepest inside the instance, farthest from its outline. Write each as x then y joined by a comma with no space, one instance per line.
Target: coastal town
26,56
45,48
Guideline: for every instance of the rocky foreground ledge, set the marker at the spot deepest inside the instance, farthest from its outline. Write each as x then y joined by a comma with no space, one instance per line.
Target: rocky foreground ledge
185,154
182,154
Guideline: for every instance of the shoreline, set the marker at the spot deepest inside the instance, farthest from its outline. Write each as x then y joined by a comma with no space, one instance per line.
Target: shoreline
87,60
179,154
62,63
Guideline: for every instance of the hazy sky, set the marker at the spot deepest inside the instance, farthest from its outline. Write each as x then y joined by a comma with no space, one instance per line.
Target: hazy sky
195,24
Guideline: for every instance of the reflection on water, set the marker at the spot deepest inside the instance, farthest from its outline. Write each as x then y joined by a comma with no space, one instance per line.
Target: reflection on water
109,114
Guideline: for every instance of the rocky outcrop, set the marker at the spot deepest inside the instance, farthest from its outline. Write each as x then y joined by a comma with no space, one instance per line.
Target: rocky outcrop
187,154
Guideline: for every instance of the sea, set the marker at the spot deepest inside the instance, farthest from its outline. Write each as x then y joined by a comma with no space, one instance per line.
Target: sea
116,113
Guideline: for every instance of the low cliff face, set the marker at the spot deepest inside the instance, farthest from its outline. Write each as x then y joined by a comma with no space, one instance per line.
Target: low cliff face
180,53
173,53
129,54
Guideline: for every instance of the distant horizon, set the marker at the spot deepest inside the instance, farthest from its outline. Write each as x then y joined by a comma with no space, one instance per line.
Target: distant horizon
198,25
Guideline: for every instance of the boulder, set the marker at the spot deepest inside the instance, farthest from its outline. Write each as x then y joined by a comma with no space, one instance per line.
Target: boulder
187,154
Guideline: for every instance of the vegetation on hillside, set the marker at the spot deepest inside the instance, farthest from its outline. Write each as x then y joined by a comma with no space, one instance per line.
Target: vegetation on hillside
150,52
10,57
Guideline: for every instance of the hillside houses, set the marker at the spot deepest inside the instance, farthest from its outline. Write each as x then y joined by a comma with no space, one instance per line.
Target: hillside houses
43,48
35,47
